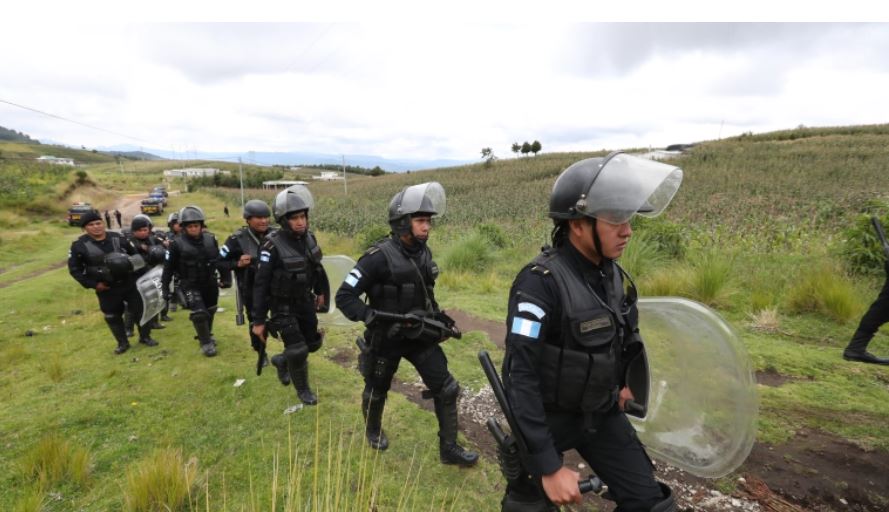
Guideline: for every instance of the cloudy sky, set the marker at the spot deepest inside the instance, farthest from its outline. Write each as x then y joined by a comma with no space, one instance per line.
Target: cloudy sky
435,89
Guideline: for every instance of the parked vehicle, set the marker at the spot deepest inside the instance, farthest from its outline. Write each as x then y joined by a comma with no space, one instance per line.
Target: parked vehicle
152,206
75,211
159,196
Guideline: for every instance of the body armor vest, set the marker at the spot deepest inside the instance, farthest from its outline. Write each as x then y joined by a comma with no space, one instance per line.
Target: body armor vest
295,278
249,244
410,286
582,372
95,258
197,263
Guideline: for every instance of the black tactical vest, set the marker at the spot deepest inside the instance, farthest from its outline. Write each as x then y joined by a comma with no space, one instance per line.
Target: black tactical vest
410,286
580,372
95,258
197,263
295,278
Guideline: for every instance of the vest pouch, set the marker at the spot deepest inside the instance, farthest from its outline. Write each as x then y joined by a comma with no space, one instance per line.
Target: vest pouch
592,328
294,264
600,391
406,298
282,286
390,298
573,379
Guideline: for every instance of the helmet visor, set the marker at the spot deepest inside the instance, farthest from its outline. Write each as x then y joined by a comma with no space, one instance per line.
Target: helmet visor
425,197
628,185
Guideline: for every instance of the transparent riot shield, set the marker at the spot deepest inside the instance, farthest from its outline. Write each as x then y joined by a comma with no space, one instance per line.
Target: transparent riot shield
151,290
702,405
337,267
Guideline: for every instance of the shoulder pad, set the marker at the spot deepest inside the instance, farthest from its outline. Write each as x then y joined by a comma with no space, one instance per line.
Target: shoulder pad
540,269
372,250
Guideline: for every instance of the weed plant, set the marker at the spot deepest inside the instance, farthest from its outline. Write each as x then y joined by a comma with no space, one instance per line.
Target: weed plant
55,460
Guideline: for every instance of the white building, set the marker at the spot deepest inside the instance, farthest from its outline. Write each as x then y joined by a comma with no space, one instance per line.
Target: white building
193,172
328,176
53,160
274,184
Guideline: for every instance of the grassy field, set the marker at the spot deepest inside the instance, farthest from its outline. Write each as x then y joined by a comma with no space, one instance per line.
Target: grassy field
757,232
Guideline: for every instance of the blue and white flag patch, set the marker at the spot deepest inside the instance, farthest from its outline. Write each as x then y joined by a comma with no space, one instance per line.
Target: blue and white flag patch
534,309
353,277
167,255
525,327
223,251
265,256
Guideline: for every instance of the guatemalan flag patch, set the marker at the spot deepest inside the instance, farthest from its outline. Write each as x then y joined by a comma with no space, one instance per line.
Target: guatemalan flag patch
353,277
265,256
525,327
223,251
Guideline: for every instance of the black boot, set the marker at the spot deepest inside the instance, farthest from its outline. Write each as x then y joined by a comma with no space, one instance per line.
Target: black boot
118,329
864,357
156,324
280,364
372,409
202,328
128,323
145,335
446,410
299,375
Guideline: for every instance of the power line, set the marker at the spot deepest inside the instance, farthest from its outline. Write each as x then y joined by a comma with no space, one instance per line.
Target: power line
73,121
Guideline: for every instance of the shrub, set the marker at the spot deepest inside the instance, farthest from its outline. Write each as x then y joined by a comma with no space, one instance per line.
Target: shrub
824,289
641,255
493,234
469,254
664,282
33,500
54,460
669,238
710,278
372,234
162,481
859,247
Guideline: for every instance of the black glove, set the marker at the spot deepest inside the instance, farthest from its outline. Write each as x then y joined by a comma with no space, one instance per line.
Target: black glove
370,315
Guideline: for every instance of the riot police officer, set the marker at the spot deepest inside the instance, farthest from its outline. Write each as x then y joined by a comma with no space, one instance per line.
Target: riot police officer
398,276
292,286
573,340
106,261
150,246
173,229
240,253
193,257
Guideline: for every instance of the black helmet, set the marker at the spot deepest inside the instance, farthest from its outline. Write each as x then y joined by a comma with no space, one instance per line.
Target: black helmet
292,199
140,221
613,188
156,254
427,198
191,214
119,265
256,208
173,219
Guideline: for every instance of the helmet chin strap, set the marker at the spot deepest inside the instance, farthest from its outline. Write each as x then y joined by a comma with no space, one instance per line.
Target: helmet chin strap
596,241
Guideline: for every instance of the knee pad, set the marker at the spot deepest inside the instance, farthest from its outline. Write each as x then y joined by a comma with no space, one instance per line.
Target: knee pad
450,390
296,353
379,372
199,315
316,341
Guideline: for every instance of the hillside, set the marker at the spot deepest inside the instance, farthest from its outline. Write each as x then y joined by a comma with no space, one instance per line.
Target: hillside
753,233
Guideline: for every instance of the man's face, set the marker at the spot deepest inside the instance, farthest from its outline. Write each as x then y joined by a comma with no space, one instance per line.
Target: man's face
193,229
95,229
258,224
420,226
142,233
176,228
298,222
612,237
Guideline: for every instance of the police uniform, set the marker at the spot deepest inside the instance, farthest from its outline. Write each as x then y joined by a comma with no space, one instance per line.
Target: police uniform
399,278
567,326
289,277
244,241
194,262
87,264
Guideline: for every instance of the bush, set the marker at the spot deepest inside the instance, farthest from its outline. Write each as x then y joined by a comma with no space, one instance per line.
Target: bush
494,234
664,282
372,234
710,278
54,460
163,481
824,289
859,247
641,255
469,254
669,238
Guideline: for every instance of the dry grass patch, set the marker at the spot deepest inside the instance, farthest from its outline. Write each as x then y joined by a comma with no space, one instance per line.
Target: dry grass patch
54,460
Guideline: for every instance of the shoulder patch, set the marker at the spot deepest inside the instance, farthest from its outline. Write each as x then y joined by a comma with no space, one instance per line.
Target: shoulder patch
534,309
265,256
525,327
223,251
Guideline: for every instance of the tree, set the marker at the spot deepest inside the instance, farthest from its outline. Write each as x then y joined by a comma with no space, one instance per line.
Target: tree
488,155
536,147
516,147
526,148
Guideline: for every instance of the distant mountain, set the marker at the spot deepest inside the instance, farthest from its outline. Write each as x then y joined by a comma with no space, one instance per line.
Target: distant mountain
134,155
302,158
12,135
